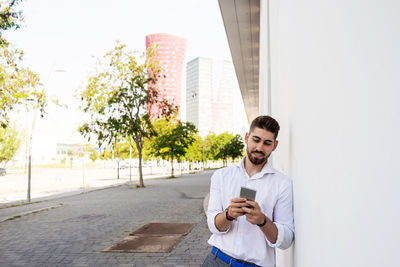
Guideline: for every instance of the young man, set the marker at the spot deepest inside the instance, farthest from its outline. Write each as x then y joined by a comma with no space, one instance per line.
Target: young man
244,232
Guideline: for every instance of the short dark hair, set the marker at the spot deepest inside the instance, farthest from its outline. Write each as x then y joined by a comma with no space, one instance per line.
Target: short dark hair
267,123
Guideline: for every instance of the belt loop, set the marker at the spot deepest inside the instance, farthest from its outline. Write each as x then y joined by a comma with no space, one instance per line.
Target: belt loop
230,263
216,252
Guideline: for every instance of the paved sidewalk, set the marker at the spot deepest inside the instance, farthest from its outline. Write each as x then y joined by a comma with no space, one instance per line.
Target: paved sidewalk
77,228
55,182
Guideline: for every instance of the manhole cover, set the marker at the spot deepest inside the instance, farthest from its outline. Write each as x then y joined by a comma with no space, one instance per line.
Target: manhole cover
160,229
145,244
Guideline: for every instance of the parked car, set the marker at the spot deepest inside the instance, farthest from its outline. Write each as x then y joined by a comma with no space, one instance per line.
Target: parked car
123,165
2,172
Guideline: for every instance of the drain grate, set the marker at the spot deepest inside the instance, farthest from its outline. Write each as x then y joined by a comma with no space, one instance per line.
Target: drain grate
153,237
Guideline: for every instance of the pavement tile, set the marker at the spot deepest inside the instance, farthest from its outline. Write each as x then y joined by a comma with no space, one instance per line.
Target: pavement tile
52,238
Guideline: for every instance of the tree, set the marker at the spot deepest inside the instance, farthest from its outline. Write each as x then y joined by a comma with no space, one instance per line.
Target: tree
94,156
9,17
217,148
118,96
195,150
9,144
223,146
210,139
18,84
233,149
172,140
106,154
87,148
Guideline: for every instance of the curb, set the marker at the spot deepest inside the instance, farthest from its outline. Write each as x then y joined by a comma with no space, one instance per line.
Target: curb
35,200
29,212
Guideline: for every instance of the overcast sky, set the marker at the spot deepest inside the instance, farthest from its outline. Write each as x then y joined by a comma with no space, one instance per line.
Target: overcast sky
66,35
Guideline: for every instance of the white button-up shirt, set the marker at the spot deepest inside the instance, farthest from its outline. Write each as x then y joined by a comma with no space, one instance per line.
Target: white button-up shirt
244,240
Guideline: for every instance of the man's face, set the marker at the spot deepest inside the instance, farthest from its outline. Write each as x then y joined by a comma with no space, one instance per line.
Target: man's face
260,144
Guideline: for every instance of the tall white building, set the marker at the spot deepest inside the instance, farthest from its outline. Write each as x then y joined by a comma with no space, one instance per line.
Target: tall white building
213,99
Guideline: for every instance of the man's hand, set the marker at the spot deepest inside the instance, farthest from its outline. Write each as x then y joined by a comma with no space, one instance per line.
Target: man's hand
236,207
253,212
235,210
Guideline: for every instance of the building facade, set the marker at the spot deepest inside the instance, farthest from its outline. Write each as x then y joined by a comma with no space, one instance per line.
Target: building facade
328,72
213,100
170,52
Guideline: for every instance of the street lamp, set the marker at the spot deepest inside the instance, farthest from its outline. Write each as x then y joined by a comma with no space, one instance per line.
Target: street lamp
31,137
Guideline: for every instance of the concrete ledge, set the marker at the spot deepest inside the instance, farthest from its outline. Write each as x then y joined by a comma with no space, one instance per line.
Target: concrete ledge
205,203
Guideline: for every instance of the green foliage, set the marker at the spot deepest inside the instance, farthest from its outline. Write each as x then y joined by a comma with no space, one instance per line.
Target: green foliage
223,147
122,149
119,96
195,150
217,150
106,154
233,149
173,140
95,155
209,144
9,17
9,144
18,84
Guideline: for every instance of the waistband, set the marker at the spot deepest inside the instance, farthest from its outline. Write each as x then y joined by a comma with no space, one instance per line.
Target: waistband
231,261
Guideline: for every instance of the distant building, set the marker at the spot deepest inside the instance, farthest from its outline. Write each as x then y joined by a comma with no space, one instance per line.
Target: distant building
170,52
64,151
213,100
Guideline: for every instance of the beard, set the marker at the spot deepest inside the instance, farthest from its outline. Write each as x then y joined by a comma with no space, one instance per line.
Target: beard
257,161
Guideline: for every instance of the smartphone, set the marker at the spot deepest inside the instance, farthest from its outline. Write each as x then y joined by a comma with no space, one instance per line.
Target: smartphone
248,193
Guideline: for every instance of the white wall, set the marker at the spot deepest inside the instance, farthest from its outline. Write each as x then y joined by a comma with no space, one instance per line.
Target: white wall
335,88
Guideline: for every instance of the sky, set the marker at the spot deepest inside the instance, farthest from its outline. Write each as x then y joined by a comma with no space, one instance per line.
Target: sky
62,38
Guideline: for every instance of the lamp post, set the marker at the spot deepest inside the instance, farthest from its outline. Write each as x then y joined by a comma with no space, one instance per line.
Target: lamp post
31,138
130,160
30,157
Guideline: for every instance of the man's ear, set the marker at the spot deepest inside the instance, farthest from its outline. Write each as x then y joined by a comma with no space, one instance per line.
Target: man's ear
275,145
246,138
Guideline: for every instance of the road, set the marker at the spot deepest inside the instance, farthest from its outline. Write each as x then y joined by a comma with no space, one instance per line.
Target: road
75,232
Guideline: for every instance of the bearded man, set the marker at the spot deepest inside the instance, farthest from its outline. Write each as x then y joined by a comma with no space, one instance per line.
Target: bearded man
245,232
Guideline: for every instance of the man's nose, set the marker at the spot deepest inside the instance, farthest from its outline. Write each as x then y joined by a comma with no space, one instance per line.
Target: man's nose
259,146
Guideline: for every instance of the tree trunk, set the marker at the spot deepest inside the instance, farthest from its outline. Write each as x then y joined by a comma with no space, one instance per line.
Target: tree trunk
141,184
172,168
118,169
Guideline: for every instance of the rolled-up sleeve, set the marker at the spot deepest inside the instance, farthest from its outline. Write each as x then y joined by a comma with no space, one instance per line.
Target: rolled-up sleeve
215,205
283,217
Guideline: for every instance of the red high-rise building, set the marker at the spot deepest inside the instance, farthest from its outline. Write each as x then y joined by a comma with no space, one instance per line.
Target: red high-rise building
170,52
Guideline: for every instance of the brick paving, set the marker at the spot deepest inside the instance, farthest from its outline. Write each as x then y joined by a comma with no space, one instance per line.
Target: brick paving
76,232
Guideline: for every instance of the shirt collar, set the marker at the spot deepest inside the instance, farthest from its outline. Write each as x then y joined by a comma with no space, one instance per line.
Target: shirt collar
266,169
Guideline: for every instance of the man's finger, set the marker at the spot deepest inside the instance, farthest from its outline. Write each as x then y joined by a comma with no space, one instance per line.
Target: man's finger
239,205
248,210
238,200
252,203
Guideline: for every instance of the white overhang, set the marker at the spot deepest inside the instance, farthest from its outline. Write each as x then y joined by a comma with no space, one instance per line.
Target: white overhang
242,25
